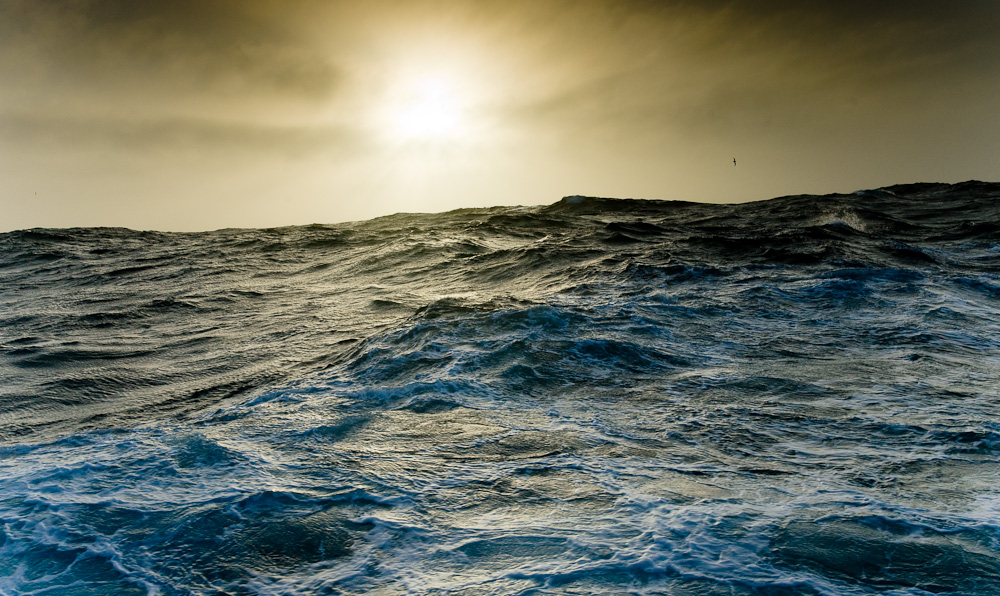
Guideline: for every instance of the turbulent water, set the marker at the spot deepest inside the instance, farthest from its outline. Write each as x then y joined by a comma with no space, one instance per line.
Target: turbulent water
794,396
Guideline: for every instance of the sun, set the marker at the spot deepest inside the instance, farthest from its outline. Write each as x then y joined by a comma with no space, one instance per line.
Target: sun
430,109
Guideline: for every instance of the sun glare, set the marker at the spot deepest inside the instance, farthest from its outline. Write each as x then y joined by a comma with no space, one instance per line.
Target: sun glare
430,109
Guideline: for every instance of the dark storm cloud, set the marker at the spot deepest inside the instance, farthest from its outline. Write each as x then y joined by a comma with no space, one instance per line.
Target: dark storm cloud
706,66
115,51
118,49
157,77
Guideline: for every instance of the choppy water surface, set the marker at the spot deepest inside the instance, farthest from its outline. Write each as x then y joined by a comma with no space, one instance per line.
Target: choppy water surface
796,396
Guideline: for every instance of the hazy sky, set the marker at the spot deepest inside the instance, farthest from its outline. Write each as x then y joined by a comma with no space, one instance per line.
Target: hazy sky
203,114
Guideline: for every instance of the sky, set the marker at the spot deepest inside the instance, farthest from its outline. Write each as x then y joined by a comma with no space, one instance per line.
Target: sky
191,115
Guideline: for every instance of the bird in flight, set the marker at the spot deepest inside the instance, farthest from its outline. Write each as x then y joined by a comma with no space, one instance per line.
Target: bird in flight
734,162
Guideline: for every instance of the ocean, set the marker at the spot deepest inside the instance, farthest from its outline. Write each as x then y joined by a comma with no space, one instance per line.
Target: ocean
798,396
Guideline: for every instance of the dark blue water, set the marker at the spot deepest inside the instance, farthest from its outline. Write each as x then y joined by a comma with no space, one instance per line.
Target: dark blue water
795,396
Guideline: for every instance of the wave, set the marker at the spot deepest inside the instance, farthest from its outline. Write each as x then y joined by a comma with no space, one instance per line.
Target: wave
603,396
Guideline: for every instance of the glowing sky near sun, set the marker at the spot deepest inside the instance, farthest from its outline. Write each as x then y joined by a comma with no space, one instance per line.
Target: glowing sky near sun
203,114
432,111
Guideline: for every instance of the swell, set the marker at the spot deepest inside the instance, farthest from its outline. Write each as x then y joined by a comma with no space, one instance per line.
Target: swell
788,397
175,322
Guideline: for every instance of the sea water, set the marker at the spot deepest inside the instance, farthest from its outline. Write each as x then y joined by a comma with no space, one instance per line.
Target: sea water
794,396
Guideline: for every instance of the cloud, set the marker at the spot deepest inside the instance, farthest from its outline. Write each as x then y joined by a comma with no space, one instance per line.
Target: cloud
166,136
646,68
135,53
103,100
